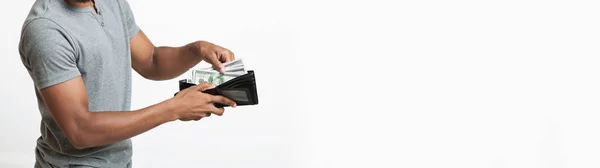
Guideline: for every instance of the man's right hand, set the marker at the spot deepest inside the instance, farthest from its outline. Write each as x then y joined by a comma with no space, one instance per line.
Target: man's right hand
196,104
68,104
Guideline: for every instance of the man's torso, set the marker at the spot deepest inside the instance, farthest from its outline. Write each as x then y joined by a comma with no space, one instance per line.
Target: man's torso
102,55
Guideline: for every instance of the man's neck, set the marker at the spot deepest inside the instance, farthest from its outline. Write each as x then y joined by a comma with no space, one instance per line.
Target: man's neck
81,4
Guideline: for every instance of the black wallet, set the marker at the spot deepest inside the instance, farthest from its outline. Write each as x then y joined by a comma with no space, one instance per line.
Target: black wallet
241,89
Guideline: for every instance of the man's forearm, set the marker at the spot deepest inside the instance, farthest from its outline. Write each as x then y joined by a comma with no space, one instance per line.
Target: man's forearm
102,128
170,62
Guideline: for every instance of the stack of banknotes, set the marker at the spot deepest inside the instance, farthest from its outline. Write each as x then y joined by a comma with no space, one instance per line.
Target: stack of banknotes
232,69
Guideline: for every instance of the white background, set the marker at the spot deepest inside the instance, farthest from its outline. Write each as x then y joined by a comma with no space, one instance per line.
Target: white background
465,83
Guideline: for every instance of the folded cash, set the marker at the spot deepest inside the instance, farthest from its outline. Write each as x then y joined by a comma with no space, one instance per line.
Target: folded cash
232,69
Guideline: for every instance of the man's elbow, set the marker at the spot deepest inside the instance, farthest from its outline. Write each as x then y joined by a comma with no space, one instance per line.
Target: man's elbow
148,76
80,135
78,139
80,145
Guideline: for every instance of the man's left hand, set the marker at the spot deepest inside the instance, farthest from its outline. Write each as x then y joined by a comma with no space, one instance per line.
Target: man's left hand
213,54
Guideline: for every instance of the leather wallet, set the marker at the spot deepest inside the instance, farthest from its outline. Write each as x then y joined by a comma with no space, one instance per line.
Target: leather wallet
241,89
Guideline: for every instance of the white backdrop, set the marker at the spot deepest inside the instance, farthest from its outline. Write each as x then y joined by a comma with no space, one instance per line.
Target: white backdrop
475,84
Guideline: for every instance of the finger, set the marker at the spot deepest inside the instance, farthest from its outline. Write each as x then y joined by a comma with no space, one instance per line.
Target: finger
218,111
232,55
227,56
200,115
184,91
216,63
223,100
195,118
204,86
187,118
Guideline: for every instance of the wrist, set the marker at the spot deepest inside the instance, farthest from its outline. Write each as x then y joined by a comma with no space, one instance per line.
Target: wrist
196,48
173,109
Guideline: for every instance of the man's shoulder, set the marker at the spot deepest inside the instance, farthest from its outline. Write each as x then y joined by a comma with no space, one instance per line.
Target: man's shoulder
41,29
44,14
44,9
39,24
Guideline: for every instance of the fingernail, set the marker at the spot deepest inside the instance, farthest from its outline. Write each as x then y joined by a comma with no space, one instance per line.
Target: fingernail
234,105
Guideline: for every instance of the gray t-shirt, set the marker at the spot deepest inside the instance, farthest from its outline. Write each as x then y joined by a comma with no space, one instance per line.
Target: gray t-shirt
60,42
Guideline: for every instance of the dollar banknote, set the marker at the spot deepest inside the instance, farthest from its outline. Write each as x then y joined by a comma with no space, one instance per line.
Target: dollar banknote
234,65
232,69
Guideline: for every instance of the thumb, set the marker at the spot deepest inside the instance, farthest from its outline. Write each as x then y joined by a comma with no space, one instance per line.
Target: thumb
204,86
214,60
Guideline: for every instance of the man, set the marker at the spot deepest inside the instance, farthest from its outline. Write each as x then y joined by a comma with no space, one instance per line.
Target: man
79,54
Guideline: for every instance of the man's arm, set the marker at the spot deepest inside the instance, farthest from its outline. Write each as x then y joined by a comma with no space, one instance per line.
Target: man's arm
163,63
68,104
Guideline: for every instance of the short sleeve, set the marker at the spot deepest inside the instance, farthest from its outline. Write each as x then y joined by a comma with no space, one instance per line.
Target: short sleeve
131,26
47,53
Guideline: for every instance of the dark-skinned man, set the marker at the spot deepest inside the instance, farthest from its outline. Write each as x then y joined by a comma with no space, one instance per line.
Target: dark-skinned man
79,54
